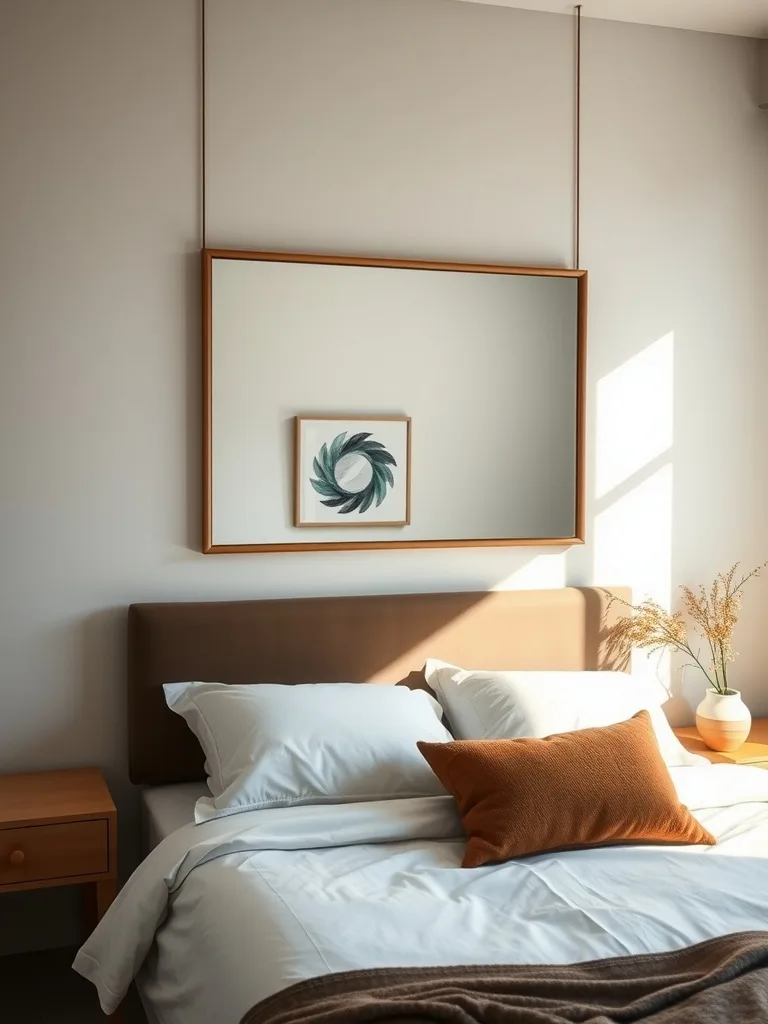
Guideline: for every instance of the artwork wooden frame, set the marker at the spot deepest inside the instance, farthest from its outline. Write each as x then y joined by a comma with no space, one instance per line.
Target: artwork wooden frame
352,506
208,545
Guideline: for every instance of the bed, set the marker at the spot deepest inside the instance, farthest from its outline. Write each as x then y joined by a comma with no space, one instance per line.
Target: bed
223,915
166,809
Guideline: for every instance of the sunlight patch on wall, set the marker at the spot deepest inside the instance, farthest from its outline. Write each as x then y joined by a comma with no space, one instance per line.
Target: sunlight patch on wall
633,545
634,415
633,538
633,522
540,573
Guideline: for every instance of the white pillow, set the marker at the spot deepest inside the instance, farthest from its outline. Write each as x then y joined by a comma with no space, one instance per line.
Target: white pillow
507,705
269,745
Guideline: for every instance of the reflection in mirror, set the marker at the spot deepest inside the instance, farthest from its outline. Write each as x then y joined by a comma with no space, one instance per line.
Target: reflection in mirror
484,364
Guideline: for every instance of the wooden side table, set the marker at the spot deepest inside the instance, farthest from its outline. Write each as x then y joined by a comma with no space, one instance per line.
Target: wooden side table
754,751
59,828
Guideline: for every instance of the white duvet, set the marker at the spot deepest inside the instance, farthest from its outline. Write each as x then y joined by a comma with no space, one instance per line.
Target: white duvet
223,914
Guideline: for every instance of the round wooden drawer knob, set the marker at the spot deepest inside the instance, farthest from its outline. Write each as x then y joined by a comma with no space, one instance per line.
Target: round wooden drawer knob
17,857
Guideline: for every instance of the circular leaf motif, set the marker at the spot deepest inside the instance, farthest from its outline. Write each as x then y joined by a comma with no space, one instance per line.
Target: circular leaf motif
352,473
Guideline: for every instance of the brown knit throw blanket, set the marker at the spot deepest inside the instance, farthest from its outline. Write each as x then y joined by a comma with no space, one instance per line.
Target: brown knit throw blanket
721,981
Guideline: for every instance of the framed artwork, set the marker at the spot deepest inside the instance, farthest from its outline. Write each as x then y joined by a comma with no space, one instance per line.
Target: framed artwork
352,471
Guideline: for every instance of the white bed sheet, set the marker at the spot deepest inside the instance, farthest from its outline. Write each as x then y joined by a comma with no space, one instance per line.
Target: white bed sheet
245,907
164,809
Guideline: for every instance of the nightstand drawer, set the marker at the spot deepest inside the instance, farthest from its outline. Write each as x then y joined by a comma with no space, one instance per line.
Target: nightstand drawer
41,852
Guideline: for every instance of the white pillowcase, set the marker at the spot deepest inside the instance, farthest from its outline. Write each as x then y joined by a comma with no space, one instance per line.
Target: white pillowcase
269,745
507,705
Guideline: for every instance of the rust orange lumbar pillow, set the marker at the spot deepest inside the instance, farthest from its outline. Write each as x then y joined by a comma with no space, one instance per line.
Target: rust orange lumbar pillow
592,787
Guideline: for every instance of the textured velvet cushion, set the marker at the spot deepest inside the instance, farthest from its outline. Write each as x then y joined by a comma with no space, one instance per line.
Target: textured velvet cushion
592,787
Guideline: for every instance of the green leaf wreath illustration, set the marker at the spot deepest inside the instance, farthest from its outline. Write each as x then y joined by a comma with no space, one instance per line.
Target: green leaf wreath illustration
326,484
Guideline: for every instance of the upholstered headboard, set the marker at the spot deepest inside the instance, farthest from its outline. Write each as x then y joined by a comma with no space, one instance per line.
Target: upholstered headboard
341,639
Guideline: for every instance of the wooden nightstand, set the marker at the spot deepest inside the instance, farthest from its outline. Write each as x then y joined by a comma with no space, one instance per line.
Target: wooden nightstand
754,751
59,828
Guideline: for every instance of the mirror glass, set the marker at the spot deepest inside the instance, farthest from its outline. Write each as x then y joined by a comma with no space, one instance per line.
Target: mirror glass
484,365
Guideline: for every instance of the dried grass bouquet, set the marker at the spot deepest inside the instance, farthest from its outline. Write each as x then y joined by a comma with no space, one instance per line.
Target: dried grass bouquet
713,614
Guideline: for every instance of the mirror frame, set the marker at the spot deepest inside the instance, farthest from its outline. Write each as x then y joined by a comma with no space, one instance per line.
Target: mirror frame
209,255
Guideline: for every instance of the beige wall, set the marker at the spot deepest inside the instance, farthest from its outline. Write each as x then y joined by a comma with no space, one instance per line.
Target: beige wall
424,128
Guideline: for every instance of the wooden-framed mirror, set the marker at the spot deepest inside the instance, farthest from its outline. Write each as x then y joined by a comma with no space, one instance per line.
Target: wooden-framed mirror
312,365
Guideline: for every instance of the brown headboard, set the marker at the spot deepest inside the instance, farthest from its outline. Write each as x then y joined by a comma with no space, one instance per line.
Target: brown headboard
338,639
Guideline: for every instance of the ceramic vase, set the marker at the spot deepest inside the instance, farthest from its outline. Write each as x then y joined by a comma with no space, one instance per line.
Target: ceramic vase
723,720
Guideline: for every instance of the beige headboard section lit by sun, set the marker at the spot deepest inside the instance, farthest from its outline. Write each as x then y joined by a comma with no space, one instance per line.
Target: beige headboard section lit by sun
382,639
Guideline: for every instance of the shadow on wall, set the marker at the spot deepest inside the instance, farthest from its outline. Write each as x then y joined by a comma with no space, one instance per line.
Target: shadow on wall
94,717
104,646
99,646
194,405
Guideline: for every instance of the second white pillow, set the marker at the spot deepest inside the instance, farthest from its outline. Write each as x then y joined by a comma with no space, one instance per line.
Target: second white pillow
508,705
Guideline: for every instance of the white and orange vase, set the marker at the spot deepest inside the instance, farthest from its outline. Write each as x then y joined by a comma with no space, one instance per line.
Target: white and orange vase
723,720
